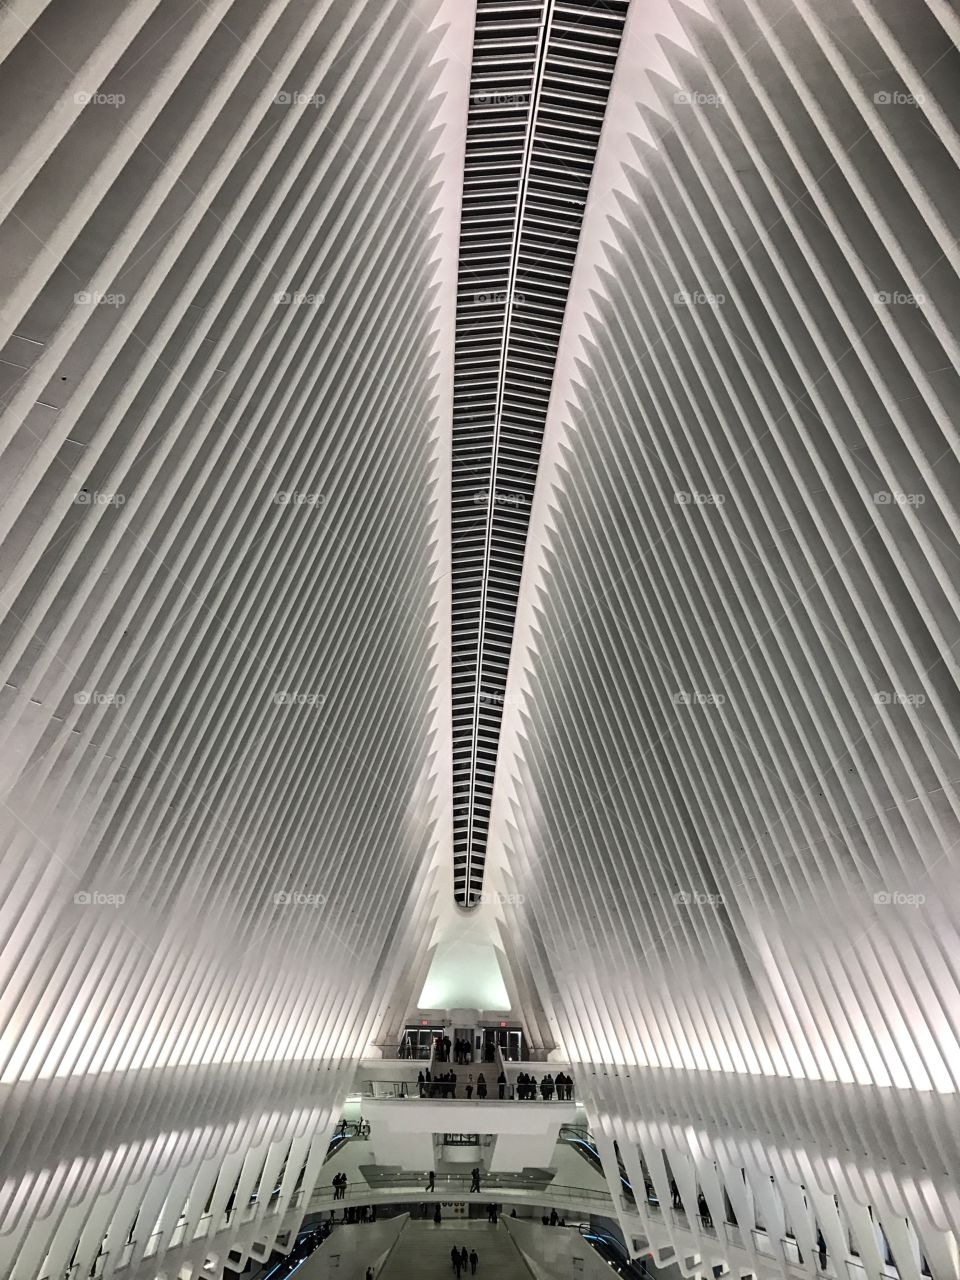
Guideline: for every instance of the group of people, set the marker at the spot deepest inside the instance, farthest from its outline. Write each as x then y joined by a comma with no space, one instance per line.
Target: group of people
554,1220
339,1186
527,1087
461,1260
355,1213
462,1052
444,1085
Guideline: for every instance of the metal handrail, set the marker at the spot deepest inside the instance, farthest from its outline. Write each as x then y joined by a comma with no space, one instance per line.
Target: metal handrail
449,1183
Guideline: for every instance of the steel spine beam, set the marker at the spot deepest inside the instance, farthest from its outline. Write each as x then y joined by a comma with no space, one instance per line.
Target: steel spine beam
540,76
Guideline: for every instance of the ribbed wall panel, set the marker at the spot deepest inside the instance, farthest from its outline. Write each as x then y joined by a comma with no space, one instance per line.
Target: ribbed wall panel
728,796
221,651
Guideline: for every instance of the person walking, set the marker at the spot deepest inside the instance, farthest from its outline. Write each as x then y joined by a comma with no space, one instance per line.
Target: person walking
474,1179
455,1259
501,1084
464,1259
436,1215
420,1083
431,1180
369,1273
474,1259
821,1250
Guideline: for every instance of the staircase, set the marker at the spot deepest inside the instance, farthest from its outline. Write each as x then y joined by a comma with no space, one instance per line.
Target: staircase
423,1252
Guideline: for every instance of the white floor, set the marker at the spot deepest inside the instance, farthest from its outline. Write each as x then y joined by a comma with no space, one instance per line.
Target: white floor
423,1252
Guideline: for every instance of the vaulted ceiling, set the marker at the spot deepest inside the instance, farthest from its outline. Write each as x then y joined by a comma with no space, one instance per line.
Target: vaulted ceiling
479,474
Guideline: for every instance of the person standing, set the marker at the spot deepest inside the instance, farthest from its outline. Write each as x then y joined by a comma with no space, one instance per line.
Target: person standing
481,1086
420,1083
501,1084
474,1259
369,1273
475,1180
436,1215
469,1086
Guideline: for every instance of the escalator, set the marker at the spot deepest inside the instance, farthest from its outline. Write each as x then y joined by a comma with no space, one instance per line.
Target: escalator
613,1251
583,1143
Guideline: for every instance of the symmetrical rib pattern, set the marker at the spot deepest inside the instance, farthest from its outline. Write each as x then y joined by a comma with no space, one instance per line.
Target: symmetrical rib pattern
540,77
219,688
729,796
